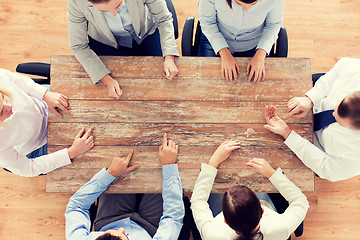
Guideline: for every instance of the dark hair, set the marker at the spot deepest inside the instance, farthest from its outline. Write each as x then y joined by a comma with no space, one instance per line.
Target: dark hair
242,211
98,1
350,108
229,2
108,236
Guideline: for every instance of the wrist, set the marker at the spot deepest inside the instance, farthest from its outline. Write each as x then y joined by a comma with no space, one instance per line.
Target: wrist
71,153
106,79
213,163
111,172
261,53
170,57
224,52
270,173
45,96
287,132
309,99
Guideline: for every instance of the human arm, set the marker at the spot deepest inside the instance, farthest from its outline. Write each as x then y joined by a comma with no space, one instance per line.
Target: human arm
78,41
164,21
57,101
256,67
229,67
171,220
77,214
274,123
202,214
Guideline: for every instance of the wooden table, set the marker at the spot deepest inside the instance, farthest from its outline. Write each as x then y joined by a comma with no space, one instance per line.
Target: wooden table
198,109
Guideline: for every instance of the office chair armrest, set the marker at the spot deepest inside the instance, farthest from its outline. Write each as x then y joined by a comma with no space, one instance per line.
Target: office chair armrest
36,68
187,36
316,77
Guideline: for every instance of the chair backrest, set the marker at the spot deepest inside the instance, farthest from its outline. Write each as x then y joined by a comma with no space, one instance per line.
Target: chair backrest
190,47
171,8
37,69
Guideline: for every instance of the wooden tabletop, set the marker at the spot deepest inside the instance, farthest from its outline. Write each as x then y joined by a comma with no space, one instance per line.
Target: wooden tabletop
198,109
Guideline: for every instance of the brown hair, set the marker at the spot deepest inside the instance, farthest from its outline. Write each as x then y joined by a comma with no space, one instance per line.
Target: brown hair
242,212
350,108
229,2
108,236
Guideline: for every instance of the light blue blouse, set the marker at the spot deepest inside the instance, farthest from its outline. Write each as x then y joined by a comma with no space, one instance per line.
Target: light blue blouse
239,30
121,26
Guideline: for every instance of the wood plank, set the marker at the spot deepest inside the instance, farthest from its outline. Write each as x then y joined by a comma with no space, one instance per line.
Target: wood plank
70,180
150,134
189,67
171,112
189,157
184,88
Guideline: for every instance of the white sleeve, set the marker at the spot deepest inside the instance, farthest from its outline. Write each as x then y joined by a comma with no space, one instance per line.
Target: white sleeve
26,84
199,205
325,83
23,166
324,165
208,22
298,204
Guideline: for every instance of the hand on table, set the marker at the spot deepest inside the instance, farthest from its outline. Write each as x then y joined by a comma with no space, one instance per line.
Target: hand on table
57,101
223,152
229,67
256,67
298,107
120,165
113,87
168,151
261,166
274,123
170,69
82,143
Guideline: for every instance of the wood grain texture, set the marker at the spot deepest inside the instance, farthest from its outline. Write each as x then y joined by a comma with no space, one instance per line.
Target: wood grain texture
150,134
147,180
172,112
189,157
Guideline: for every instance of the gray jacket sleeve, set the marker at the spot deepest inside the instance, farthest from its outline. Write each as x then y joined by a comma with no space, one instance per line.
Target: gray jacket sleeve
79,44
164,21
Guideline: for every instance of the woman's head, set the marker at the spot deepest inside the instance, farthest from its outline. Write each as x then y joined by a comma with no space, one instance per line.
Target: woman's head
245,4
5,105
242,211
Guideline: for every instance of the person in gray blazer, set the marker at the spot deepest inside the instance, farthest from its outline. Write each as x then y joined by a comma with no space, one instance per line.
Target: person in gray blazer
120,28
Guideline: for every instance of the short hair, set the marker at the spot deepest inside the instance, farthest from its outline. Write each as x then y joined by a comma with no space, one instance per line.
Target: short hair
98,1
242,211
229,2
108,236
350,108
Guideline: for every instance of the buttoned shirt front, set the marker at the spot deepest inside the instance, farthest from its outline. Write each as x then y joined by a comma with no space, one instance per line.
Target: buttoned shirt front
238,30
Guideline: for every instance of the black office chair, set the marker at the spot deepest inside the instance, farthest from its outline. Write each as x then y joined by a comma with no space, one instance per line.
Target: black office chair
171,8
190,45
37,69
316,77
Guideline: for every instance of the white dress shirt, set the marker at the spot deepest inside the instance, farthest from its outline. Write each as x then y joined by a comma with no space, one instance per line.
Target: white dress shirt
26,129
335,153
238,30
274,226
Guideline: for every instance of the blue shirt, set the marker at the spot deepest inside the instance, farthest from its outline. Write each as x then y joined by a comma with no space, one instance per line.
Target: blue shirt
78,217
239,30
121,26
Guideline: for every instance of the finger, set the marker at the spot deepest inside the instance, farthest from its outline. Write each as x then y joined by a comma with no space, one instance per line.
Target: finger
248,68
177,148
223,72
251,75
237,68
63,102
65,97
230,75
263,75
256,77
171,143
57,113
87,134
118,90
80,133
270,128
234,73
295,110
165,140
132,168
90,140
91,146
226,74
129,156
167,73
64,109
234,147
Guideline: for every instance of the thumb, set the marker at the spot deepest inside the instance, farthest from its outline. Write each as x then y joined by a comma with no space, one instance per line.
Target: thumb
167,72
270,128
132,168
80,133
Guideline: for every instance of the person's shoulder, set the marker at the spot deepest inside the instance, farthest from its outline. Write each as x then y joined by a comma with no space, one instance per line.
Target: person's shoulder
81,4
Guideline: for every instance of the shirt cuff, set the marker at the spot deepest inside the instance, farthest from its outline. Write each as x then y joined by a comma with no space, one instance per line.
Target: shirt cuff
63,156
276,176
293,140
314,95
105,177
38,91
170,170
209,169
